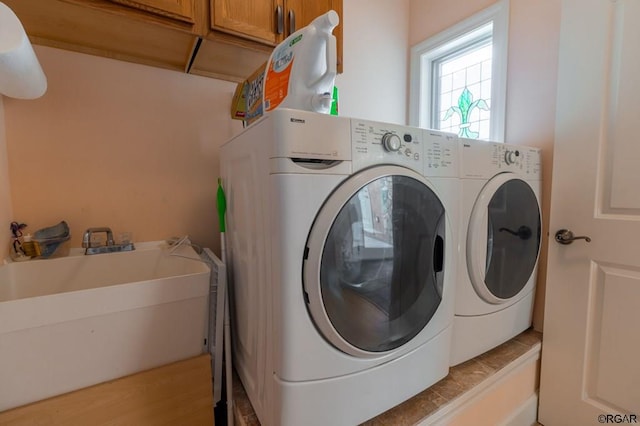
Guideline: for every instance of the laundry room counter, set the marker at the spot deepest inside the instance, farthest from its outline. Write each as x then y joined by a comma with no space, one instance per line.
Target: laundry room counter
457,390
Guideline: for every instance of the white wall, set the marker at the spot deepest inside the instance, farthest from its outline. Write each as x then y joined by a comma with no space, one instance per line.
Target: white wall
376,46
6,212
122,145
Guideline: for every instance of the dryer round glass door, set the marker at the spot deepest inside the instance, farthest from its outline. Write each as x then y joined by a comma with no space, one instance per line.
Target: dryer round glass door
503,239
373,269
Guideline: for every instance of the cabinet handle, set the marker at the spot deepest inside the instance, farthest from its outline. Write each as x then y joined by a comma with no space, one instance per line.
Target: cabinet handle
279,20
292,22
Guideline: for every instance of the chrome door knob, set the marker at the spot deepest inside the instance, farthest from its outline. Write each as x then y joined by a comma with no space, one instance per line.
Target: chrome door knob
564,236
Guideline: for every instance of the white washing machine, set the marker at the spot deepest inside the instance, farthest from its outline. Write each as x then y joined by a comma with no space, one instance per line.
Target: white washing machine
342,255
499,245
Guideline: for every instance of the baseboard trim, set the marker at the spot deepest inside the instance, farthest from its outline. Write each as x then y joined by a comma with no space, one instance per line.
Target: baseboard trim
526,414
447,412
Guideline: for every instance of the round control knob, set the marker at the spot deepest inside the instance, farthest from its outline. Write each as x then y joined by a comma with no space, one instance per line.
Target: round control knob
510,157
391,142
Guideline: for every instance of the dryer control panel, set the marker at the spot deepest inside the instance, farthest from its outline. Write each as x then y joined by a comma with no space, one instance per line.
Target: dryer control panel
485,159
375,143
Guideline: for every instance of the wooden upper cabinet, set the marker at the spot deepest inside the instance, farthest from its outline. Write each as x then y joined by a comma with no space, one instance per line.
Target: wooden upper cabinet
115,29
226,39
270,21
182,10
254,20
299,13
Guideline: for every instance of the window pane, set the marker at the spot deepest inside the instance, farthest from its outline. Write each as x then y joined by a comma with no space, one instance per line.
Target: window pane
464,91
446,83
473,74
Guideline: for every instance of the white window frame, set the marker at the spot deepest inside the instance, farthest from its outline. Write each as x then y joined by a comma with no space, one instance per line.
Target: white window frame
423,54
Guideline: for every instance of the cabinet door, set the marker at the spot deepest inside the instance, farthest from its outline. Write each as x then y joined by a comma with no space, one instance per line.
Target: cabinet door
256,20
182,10
299,13
107,29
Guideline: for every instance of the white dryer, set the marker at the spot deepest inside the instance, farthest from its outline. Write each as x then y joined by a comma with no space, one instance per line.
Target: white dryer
499,245
342,255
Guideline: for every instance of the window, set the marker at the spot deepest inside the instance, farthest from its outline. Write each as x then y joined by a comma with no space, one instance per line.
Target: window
458,77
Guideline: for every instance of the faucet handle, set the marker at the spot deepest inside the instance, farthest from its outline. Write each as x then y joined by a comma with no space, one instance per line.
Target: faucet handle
86,239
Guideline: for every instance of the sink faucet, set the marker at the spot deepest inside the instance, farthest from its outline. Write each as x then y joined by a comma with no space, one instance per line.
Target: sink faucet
110,247
86,237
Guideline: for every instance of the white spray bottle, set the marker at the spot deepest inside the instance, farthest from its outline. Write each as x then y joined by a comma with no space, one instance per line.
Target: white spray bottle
301,71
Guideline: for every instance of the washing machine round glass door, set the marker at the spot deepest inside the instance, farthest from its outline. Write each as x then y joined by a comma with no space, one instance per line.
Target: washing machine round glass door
373,262
503,239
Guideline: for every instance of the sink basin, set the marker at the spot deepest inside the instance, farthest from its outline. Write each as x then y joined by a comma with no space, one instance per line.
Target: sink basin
73,322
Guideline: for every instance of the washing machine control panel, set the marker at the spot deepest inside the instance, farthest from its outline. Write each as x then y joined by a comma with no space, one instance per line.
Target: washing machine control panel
375,143
441,153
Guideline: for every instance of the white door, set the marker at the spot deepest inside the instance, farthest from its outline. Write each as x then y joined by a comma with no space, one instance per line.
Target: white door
591,345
